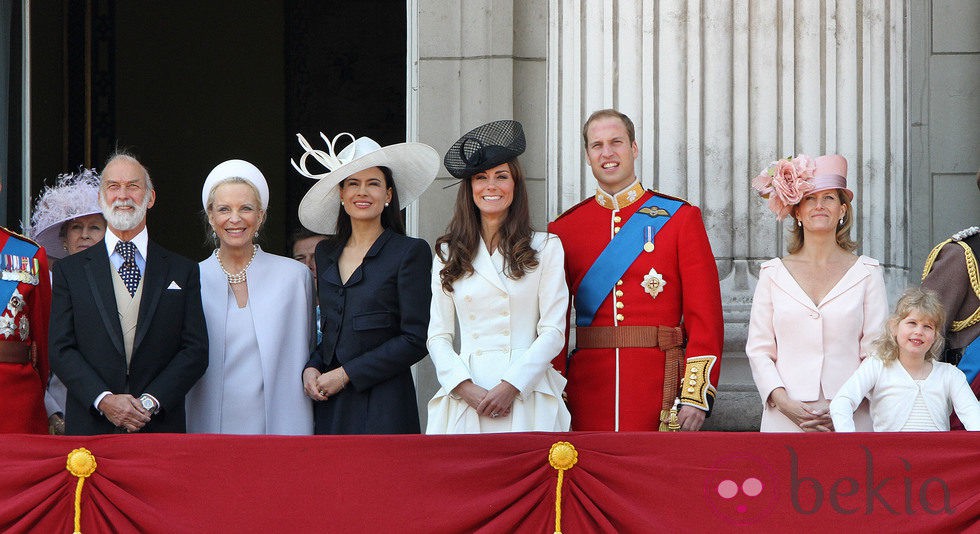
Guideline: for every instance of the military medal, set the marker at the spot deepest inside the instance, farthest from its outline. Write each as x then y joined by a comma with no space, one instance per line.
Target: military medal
648,238
20,269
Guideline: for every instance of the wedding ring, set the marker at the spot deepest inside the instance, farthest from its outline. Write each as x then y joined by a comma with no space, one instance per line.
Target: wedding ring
494,414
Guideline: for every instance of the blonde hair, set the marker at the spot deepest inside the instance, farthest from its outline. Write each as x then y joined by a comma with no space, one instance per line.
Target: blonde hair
915,299
794,238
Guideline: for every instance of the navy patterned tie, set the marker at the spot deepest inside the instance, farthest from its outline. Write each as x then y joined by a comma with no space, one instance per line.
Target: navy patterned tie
128,271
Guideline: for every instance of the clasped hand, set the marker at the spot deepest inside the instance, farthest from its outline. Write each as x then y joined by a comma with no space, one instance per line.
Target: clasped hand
810,417
124,411
495,402
321,386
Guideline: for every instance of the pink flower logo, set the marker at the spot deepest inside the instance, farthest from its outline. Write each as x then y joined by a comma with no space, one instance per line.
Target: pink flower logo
784,182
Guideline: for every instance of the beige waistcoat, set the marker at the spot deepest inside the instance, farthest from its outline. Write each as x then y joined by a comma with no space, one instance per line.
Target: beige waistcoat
129,311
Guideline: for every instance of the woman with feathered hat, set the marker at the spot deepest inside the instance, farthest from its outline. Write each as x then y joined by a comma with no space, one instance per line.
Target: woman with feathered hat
66,219
374,304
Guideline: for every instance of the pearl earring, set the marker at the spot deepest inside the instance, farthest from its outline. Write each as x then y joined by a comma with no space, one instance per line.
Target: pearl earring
386,204
799,223
255,235
842,221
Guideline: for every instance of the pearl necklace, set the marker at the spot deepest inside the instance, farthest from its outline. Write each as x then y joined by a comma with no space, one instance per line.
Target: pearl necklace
241,276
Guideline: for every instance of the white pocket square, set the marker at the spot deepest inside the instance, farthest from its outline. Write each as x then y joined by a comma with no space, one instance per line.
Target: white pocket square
173,285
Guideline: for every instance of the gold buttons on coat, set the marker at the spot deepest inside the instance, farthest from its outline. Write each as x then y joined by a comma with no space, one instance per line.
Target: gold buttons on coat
616,230
619,283
619,305
619,292
619,317
617,219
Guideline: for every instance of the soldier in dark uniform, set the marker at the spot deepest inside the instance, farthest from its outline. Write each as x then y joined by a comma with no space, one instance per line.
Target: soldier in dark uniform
951,271
25,287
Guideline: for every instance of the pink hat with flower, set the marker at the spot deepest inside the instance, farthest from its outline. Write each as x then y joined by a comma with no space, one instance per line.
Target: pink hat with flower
786,181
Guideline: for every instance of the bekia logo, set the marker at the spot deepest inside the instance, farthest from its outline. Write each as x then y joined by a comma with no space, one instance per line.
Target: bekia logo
868,491
744,489
741,489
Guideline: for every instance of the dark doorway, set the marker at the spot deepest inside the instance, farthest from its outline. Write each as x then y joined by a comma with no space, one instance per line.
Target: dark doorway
185,85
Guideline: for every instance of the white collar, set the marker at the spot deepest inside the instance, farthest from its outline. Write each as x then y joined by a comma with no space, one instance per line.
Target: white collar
140,241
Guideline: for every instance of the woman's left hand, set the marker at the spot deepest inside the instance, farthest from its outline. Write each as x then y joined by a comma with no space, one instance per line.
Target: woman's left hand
498,400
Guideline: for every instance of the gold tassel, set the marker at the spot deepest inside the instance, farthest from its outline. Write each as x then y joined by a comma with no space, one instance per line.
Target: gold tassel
562,457
81,463
673,424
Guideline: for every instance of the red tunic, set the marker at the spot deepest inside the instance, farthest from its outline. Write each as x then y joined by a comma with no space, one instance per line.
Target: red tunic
24,319
682,255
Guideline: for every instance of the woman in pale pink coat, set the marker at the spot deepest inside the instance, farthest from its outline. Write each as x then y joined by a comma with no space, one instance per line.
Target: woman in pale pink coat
817,310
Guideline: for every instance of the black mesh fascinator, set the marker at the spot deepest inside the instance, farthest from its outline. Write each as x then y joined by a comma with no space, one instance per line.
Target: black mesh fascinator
484,148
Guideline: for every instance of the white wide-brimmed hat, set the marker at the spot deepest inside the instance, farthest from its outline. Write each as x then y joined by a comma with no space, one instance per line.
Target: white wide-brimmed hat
72,196
413,168
236,168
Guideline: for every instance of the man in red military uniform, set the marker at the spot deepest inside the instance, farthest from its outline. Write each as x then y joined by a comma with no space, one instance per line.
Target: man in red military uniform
644,281
25,291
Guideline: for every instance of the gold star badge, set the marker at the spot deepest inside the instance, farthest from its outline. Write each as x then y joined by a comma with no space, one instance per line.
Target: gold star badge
653,283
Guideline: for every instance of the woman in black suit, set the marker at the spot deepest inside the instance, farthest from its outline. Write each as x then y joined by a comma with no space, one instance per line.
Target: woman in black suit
374,302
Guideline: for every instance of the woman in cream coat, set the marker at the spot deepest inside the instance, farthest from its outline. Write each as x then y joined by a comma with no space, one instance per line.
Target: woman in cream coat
505,285
259,312
816,311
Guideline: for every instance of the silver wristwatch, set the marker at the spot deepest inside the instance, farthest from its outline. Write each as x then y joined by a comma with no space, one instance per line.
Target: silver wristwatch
148,403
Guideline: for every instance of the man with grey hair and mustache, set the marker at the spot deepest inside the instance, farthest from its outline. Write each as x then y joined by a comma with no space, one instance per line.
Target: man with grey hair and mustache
127,333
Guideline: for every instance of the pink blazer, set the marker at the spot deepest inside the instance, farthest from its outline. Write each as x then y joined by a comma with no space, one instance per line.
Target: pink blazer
811,349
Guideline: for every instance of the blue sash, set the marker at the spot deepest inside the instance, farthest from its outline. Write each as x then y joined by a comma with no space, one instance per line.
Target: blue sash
618,255
970,362
17,248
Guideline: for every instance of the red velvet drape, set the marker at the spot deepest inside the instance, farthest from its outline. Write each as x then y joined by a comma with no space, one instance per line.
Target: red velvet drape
634,482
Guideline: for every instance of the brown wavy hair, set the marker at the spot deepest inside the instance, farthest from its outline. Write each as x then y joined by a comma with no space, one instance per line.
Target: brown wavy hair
928,305
795,234
462,235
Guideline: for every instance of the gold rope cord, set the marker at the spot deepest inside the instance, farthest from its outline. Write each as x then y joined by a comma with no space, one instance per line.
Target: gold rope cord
81,463
972,271
562,457
931,258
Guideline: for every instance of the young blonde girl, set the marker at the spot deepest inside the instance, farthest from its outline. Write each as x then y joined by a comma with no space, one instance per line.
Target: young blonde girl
908,388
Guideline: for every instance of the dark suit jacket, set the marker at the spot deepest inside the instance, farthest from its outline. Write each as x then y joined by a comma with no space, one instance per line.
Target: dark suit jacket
170,350
374,326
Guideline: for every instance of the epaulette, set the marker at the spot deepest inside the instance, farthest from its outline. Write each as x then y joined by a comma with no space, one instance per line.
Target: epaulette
588,199
965,233
19,236
659,194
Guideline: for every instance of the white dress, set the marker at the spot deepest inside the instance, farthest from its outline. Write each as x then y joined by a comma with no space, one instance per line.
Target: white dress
508,330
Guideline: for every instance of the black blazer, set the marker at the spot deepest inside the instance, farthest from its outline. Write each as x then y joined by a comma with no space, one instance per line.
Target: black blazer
375,326
170,350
